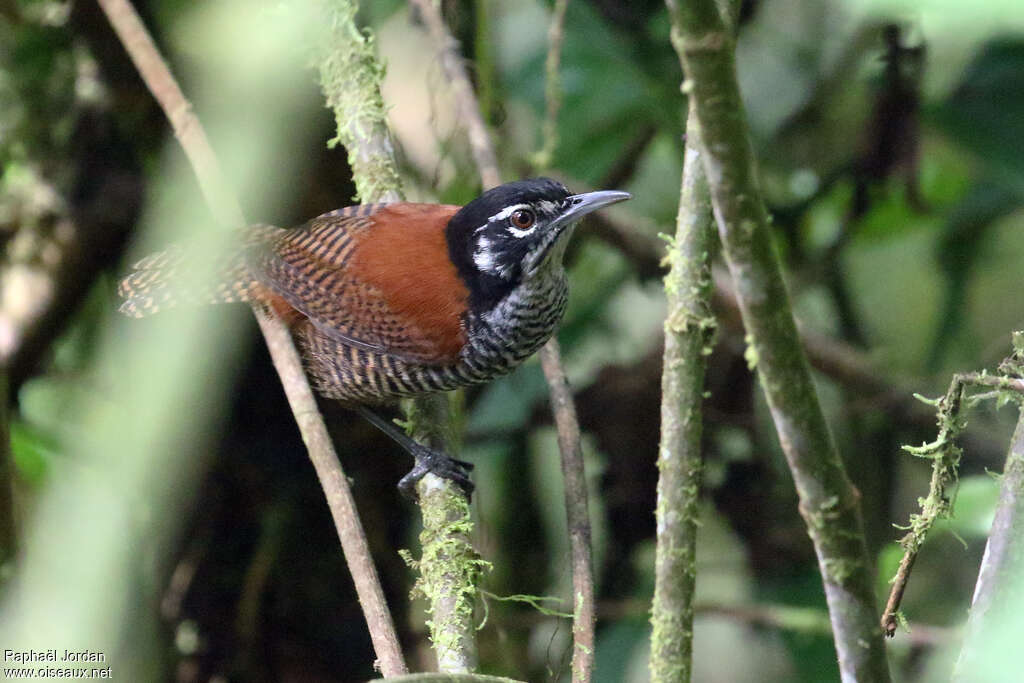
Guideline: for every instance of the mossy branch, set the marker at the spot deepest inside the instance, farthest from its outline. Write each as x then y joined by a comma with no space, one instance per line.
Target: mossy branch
350,75
8,522
945,454
450,571
689,334
828,501
577,510
224,204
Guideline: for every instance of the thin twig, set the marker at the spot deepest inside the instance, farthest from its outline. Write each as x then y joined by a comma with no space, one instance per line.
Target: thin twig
577,512
552,86
561,398
224,204
452,63
829,503
577,508
945,454
689,336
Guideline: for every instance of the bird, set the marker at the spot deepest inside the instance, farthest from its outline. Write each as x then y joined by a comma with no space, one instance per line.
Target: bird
397,300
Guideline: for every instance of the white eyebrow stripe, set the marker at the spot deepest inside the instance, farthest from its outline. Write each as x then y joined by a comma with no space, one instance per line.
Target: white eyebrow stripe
506,212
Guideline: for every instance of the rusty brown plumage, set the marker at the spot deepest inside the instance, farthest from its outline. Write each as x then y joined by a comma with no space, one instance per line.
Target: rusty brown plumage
366,289
379,281
395,300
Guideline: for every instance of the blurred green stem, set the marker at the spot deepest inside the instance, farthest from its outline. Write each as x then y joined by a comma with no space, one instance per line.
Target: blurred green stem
8,524
689,335
350,76
485,71
1003,563
465,101
829,503
552,86
224,204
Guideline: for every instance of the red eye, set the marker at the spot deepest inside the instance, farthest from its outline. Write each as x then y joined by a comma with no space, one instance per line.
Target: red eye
523,219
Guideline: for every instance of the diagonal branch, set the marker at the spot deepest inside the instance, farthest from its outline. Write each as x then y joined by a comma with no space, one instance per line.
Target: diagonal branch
945,454
469,110
224,204
829,503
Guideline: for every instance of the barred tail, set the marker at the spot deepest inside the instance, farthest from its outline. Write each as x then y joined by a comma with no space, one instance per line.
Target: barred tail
169,278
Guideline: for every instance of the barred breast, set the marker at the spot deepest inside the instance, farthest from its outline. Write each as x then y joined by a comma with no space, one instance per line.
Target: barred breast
497,342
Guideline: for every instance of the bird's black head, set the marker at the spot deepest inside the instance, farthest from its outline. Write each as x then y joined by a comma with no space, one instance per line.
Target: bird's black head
515,231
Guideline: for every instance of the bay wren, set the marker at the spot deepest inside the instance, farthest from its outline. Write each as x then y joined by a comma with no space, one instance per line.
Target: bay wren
395,300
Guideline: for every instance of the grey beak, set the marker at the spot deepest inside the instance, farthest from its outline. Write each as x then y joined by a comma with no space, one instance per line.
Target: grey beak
579,206
582,204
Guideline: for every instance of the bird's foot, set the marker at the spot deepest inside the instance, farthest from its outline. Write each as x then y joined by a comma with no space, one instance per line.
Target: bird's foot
429,461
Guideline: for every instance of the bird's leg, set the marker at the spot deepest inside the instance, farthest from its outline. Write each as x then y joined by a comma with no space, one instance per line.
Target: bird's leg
427,459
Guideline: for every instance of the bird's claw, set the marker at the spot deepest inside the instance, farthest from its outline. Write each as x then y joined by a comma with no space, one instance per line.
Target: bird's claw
429,461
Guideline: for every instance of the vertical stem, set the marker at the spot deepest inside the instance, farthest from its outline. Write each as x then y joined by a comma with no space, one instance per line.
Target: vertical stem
689,332
1002,565
449,574
350,75
552,85
449,566
576,507
8,523
469,111
190,133
577,513
484,56
829,503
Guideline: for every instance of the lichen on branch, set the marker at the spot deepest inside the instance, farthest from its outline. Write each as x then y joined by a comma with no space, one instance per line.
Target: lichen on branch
945,454
350,76
829,503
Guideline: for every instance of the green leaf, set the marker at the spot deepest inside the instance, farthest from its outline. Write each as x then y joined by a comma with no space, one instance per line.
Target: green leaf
33,451
608,97
974,508
985,112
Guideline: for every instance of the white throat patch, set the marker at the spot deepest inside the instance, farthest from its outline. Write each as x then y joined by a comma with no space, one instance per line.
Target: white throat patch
483,256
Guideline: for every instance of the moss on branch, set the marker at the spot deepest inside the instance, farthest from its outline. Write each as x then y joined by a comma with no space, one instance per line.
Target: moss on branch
689,334
350,75
828,501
